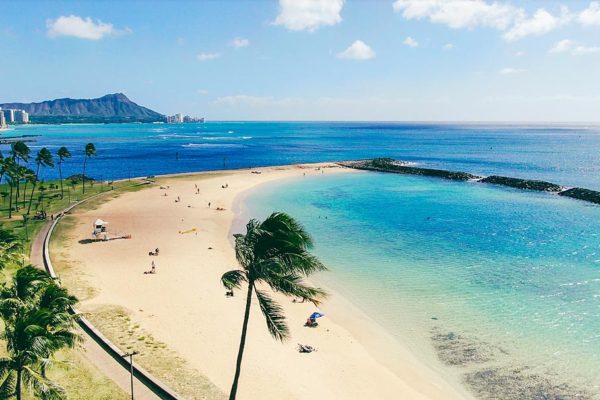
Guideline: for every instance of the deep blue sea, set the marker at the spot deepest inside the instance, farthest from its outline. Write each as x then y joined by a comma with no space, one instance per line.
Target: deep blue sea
500,286
568,155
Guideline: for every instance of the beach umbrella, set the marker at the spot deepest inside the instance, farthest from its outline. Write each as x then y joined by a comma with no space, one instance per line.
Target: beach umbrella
316,315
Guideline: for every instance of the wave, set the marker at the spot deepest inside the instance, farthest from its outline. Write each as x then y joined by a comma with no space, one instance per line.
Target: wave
226,138
212,145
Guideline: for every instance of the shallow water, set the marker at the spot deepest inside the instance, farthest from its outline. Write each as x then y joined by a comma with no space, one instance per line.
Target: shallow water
563,154
504,285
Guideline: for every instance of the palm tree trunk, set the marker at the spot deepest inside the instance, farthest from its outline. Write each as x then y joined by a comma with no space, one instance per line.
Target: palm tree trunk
238,365
61,182
83,177
18,385
10,200
33,188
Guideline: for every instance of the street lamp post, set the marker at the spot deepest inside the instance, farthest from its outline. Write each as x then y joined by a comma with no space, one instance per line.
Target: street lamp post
130,355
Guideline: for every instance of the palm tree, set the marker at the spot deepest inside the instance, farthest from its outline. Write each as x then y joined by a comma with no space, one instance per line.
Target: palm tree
63,153
43,158
19,151
90,151
37,323
272,252
11,171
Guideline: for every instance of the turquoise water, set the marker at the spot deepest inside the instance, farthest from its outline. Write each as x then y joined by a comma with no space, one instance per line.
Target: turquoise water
493,279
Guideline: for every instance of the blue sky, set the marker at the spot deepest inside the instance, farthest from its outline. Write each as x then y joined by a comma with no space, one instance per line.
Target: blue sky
411,60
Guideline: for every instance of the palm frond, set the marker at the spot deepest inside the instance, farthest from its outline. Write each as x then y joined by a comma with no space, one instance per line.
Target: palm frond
7,387
293,285
233,279
273,315
41,385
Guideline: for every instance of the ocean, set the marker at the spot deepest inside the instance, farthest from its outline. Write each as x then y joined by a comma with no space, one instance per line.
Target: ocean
565,154
500,286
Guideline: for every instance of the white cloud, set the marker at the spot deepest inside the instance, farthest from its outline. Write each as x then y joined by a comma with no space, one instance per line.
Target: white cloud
82,28
358,50
540,23
310,15
459,13
410,42
591,15
513,21
510,71
572,47
562,46
239,42
208,56
203,92
520,53
583,50
448,46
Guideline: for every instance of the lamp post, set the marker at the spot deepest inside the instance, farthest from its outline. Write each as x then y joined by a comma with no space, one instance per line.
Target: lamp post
130,355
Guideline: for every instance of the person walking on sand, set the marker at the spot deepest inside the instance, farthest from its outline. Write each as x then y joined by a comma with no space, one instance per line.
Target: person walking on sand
209,204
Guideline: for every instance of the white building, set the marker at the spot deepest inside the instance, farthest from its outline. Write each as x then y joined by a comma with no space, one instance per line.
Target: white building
2,120
9,116
21,116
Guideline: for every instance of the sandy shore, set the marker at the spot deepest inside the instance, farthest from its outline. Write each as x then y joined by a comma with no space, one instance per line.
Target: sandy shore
183,304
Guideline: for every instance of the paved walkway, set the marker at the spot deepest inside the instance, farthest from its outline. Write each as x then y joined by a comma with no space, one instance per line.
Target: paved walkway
91,349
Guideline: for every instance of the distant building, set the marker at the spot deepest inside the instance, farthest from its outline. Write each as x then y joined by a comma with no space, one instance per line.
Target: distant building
2,120
175,119
9,116
21,117
13,116
180,118
189,119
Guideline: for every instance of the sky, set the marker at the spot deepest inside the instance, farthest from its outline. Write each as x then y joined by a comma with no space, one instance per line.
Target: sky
385,60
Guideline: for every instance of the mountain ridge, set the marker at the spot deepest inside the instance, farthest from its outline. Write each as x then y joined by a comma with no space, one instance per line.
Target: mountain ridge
115,107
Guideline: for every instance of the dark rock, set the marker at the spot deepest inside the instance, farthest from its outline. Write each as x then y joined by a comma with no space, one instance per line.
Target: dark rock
582,194
527,184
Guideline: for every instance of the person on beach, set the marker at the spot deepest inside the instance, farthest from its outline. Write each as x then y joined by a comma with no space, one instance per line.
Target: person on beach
209,204
152,269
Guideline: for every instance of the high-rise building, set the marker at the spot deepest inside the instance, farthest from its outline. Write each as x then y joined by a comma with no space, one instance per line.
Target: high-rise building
2,120
21,117
9,116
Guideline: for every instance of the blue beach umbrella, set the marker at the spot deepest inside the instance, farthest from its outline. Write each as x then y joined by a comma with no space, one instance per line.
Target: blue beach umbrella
316,315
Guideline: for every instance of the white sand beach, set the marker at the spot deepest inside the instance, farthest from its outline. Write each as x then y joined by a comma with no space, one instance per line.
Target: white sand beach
184,305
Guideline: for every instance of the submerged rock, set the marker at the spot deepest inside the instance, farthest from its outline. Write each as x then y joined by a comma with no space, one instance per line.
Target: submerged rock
458,350
515,384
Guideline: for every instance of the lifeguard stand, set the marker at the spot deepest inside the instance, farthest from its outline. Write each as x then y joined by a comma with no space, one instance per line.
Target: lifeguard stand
100,230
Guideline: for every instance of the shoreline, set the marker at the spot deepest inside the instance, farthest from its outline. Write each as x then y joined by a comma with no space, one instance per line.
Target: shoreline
346,361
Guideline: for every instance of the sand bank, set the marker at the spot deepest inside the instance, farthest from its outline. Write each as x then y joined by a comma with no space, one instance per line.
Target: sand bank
183,305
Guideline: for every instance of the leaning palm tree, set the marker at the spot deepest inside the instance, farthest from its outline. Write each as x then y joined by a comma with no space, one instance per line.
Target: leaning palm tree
63,153
43,158
272,252
35,312
90,151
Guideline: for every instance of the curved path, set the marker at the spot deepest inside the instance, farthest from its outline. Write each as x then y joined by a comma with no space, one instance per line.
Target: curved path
98,349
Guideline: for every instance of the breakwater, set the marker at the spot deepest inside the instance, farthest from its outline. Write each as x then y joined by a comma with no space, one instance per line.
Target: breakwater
402,167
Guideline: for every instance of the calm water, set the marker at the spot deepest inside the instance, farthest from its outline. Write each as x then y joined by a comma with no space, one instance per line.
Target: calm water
509,280
566,155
